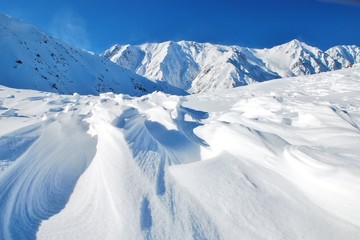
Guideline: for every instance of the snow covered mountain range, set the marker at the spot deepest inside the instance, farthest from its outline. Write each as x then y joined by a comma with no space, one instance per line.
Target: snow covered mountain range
36,60
202,67
32,59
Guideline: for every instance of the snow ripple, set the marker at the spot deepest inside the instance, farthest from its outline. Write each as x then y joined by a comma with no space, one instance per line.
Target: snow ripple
39,184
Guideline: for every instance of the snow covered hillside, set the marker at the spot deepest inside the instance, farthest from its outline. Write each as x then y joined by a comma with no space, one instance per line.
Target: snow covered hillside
275,160
204,67
31,59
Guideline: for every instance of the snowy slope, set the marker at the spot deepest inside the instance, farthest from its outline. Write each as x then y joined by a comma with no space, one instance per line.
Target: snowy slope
31,59
275,160
204,67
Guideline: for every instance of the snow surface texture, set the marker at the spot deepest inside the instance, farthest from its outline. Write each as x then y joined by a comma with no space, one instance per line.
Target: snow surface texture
276,160
31,59
204,67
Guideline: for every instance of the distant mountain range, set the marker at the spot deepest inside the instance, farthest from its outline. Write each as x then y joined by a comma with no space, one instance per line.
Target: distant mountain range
32,59
204,67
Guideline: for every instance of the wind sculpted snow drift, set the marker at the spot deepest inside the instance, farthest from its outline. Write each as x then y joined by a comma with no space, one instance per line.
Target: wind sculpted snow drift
276,160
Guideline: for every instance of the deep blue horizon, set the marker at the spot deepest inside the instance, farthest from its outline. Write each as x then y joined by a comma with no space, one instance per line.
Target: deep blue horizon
98,25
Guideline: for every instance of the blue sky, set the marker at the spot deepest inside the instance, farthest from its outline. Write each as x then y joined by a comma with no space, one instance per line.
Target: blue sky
96,25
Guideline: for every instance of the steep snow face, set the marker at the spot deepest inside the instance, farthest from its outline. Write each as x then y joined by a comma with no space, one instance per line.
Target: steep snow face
32,59
194,67
239,162
204,67
297,58
346,55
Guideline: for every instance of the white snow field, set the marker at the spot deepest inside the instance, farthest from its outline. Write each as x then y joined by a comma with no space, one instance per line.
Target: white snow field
274,160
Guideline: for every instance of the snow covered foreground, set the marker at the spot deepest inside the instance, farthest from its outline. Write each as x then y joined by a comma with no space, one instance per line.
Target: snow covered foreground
277,160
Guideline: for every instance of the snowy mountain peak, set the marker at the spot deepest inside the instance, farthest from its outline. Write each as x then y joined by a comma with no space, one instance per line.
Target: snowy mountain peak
294,43
297,45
